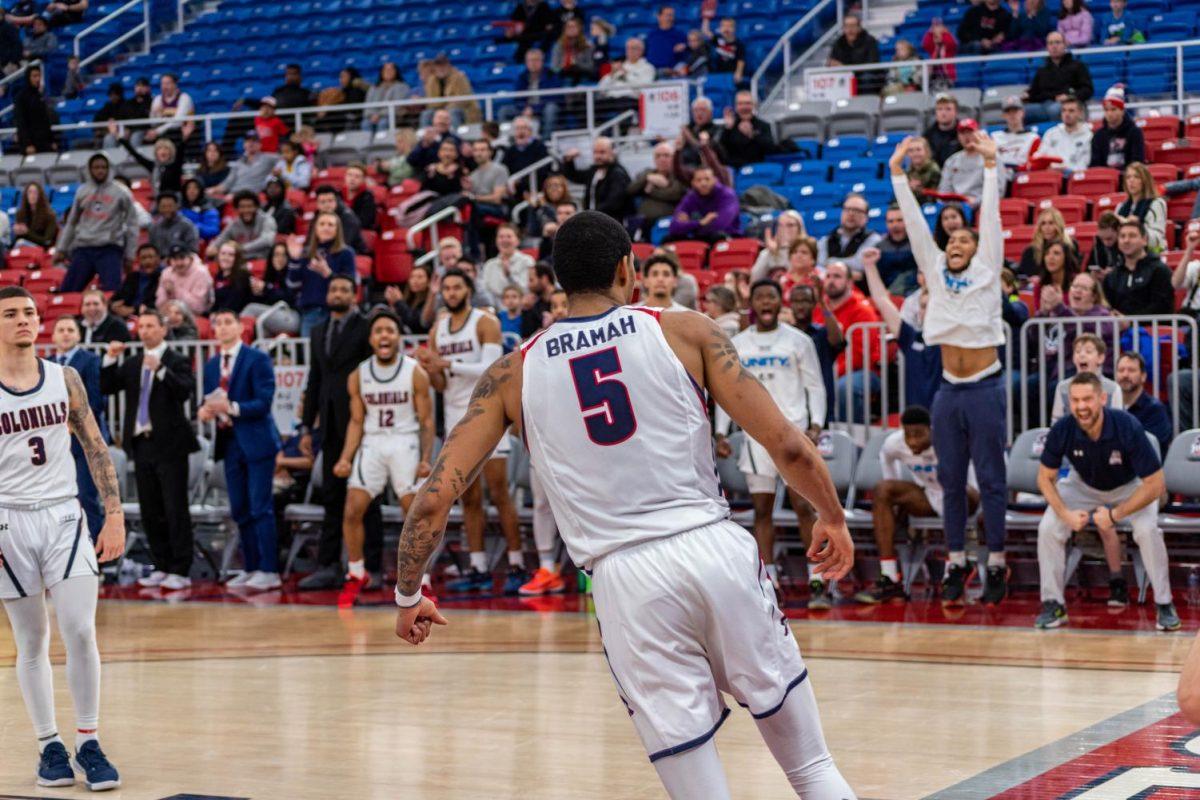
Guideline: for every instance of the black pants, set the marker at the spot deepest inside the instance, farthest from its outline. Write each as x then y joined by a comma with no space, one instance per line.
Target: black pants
333,495
162,485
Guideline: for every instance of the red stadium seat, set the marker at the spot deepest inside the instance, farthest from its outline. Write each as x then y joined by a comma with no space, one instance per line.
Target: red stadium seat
1191,129
42,285
363,265
370,239
1072,207
705,278
1084,233
1036,185
532,252
1158,130
28,258
393,262
1016,239
1108,202
1014,211
642,250
70,301
1172,258
257,267
1181,155
249,329
1163,173
331,175
691,254
1179,208
733,254
1094,182
203,328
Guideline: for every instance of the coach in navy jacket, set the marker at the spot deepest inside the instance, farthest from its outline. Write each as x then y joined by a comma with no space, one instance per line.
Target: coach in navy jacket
247,440
67,333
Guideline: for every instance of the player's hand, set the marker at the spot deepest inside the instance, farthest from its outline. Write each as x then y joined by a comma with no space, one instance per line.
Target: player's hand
899,154
424,469
832,550
110,544
985,146
724,448
414,624
1076,519
114,349
870,258
342,468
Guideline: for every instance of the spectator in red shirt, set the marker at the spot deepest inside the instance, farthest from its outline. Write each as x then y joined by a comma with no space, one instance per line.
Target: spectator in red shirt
269,127
851,307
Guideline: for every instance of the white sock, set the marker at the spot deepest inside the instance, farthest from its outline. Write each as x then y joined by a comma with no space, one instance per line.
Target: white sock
48,740
546,560
997,559
889,569
479,562
75,606
426,581
516,559
772,572
31,634
357,569
83,736
958,557
695,773
793,735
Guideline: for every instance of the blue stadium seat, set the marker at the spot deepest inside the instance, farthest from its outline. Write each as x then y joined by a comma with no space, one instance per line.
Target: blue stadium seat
820,222
846,147
804,173
763,173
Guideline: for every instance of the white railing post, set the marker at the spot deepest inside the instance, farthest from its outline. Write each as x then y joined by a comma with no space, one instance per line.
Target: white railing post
146,25
178,16
787,70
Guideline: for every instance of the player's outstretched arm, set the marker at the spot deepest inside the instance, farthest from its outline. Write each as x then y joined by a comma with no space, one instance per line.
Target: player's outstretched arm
110,544
354,431
492,409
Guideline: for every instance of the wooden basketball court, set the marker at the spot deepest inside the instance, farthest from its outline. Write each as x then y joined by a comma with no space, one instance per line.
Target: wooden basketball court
245,700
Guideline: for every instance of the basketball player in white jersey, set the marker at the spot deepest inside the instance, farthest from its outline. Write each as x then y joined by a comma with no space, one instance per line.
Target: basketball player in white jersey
785,361
44,547
389,438
463,344
918,494
611,401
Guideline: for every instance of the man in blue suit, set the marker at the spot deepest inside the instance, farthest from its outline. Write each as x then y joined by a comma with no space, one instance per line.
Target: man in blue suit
239,384
67,335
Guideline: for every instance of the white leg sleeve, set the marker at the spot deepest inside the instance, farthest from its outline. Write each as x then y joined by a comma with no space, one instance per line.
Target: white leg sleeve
695,774
31,632
544,529
793,734
75,606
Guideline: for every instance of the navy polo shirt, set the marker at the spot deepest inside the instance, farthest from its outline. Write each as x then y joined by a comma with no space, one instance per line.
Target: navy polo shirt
922,367
1154,418
1121,454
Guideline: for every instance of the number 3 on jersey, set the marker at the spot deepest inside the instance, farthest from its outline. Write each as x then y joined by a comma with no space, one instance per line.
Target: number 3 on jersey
604,401
38,445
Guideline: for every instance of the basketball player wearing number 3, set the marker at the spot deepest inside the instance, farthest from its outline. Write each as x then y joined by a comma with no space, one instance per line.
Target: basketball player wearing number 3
611,402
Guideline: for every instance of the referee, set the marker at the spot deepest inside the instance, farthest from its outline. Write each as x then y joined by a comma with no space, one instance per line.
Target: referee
1115,476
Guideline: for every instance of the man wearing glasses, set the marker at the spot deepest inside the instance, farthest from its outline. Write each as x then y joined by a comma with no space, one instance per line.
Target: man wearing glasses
850,238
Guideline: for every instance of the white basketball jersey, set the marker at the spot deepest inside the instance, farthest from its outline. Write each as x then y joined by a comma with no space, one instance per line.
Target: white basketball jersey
779,359
921,466
36,465
387,393
461,345
618,432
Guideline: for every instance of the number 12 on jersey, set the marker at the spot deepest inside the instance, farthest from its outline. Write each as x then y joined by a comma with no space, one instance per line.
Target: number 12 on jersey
604,401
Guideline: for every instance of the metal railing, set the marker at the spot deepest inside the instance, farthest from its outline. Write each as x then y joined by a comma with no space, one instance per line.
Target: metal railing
430,223
783,47
532,172
142,28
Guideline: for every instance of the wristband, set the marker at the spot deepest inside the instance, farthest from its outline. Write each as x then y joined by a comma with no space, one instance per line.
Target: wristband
408,600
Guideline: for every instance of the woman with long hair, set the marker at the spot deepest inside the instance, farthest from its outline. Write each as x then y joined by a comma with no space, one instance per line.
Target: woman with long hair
409,301
950,219
36,222
166,168
541,212
1060,265
1075,23
231,284
389,88
213,167
181,322
311,265
789,228
1050,228
571,56
445,176
198,209
1143,201
266,292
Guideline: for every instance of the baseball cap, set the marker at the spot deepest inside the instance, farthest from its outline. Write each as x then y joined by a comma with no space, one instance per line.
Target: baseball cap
1010,102
267,101
967,124
178,250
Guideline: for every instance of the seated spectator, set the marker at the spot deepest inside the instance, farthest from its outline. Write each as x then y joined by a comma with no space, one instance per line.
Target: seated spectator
110,111
1085,298
1060,265
666,44
1105,254
271,129
61,14
855,374
32,115
180,322
533,78
1087,355
329,201
170,228
708,213
571,56
857,46
487,188
905,76
1141,283
563,211
746,139
983,28
396,170
213,168
523,152
629,74
1118,141
1143,201
351,89
1060,76
140,287
951,218
802,267
721,307
176,107
40,43
250,172
963,172
728,52
533,26
700,144
938,42
543,206
292,93
358,196
1145,407
445,176
138,107
98,325
605,182
432,136
274,278
510,267
566,11
36,224
600,31
410,301
1049,227
942,136
292,167
657,188
12,52
73,83
390,88
252,228
923,172
278,207
1015,143
897,266
1118,26
1030,27
446,80
1070,140
694,61
231,284
1185,276
776,255
850,237
198,210
185,279
166,169
1075,23
311,266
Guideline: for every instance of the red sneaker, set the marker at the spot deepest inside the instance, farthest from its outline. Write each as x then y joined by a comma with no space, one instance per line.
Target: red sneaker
351,589
543,582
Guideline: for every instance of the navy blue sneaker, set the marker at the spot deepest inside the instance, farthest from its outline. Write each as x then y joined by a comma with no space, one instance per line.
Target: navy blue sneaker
54,768
99,774
517,577
472,581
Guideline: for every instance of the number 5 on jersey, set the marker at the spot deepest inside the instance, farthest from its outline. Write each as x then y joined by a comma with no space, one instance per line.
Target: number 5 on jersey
604,401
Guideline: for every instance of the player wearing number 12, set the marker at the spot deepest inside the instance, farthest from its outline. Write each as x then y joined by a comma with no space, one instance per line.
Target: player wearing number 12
611,403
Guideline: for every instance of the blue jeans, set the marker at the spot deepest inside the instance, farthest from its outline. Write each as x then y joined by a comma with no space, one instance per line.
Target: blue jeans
548,115
1047,111
311,318
107,261
859,384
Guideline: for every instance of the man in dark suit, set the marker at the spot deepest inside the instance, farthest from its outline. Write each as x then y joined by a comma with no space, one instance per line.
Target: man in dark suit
158,436
338,346
98,325
605,181
239,385
67,352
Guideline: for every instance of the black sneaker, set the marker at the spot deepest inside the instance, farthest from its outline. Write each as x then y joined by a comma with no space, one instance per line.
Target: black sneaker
820,599
954,584
1118,593
997,585
1053,615
885,591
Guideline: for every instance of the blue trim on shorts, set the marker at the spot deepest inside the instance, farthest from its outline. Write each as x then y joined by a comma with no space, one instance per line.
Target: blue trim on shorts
799,679
16,583
694,743
74,547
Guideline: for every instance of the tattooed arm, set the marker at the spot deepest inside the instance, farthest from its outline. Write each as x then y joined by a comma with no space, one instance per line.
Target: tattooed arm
110,543
492,409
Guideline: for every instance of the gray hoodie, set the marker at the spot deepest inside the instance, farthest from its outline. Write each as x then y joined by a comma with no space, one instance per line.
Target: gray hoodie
102,215
256,240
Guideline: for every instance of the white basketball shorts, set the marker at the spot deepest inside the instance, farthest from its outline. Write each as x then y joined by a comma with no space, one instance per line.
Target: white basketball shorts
757,466
42,547
381,460
686,618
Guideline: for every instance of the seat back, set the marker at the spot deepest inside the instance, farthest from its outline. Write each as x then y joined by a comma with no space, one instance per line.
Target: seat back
1024,460
1181,467
869,472
732,478
840,454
